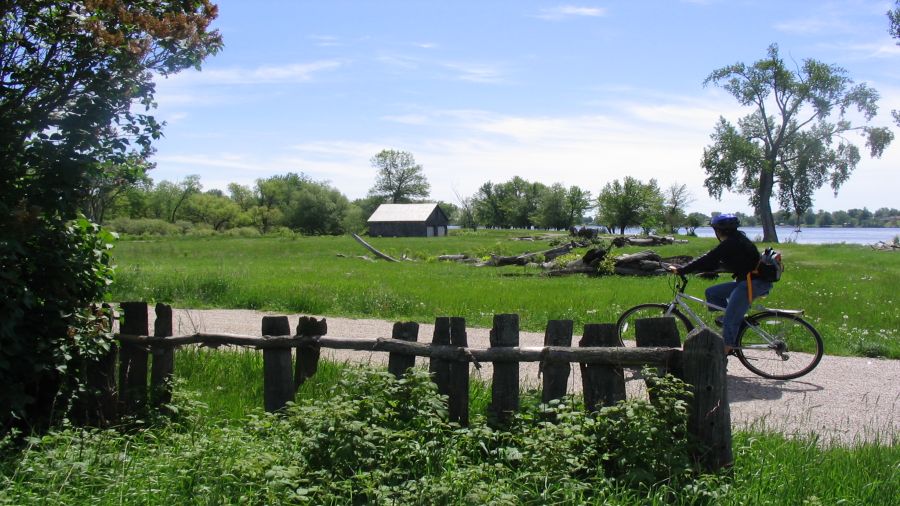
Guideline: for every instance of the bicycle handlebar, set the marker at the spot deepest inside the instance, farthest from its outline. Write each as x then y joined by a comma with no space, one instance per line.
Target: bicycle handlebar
683,284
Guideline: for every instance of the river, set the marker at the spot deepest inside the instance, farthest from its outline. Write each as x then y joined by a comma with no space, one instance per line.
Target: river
819,235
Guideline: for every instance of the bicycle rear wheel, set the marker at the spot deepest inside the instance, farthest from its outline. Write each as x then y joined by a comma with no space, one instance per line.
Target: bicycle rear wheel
626,325
779,346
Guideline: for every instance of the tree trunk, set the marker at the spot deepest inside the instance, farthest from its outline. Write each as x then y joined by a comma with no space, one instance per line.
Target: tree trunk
766,182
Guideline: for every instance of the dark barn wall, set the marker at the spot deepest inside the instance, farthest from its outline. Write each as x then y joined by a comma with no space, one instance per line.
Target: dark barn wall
398,229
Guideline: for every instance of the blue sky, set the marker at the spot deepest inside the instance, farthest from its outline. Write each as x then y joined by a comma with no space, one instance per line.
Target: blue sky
578,93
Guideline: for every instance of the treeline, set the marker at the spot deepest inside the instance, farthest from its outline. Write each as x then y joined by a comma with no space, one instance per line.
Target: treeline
882,217
296,203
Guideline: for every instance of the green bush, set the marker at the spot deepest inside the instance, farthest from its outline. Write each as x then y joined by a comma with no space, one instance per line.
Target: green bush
375,439
143,227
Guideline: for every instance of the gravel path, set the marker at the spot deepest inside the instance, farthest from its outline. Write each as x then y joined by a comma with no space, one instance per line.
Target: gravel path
845,399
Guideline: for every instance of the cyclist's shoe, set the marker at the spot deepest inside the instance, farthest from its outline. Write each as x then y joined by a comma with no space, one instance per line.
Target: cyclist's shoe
720,321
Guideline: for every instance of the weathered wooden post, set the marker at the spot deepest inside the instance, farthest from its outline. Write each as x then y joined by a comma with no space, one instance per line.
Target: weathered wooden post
133,359
398,363
105,375
163,365
556,374
278,382
438,367
505,384
458,393
659,332
307,362
709,420
602,385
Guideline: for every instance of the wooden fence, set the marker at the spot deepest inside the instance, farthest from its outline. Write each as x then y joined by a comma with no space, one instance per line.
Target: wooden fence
700,363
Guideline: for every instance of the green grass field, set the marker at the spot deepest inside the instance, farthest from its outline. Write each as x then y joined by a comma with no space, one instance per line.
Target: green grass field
848,292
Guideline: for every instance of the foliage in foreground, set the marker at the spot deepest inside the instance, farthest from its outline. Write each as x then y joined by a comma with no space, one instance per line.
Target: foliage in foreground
374,439
71,71
377,439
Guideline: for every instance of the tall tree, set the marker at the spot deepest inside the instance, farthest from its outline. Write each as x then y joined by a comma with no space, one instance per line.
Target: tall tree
71,71
112,180
212,209
578,203
318,209
628,204
552,209
677,197
399,178
894,30
488,205
520,199
796,135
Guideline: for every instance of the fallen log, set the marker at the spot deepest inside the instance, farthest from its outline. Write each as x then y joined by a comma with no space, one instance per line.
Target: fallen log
527,258
648,240
373,250
637,257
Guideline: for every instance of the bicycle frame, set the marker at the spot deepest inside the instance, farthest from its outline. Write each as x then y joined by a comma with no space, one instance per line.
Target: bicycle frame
681,301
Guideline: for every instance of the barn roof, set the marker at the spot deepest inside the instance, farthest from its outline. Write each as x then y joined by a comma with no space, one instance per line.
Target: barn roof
402,212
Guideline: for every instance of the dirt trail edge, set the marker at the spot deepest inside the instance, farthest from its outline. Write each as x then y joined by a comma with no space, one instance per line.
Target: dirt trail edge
845,400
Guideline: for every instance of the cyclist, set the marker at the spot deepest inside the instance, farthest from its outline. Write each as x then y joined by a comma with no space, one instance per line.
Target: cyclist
738,255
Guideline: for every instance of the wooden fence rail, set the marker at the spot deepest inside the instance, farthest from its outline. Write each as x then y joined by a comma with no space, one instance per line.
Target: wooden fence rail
700,362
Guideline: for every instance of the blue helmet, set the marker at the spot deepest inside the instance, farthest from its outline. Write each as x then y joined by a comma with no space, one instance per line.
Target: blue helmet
725,221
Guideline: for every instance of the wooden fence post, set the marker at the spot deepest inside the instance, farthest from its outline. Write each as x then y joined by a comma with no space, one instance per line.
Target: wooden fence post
133,359
278,383
659,332
505,384
307,362
602,385
163,365
398,363
458,395
440,368
556,374
709,420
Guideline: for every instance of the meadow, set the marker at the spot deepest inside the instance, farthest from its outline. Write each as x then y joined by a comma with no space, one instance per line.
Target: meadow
848,291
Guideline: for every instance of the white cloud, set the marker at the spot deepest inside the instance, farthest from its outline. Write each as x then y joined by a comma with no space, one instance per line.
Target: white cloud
325,40
408,119
476,72
265,74
570,11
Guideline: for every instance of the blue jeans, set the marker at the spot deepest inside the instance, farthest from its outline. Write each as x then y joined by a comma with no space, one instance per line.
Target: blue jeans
733,297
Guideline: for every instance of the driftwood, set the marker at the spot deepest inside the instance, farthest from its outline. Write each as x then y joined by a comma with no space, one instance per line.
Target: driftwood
527,258
646,263
532,238
886,246
649,240
587,264
373,250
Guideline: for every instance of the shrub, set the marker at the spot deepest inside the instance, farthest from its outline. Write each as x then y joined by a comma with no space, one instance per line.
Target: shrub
373,439
142,227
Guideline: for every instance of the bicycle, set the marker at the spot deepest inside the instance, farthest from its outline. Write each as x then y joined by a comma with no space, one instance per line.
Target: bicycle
772,343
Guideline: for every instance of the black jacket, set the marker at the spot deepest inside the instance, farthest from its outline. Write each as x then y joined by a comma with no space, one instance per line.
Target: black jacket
736,254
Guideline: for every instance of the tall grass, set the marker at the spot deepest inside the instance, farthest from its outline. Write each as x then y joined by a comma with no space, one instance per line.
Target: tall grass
848,292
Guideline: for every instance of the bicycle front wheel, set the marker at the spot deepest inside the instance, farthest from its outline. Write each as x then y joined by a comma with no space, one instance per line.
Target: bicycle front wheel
779,346
626,325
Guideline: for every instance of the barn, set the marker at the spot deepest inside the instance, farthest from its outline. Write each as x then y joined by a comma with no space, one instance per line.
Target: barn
408,220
